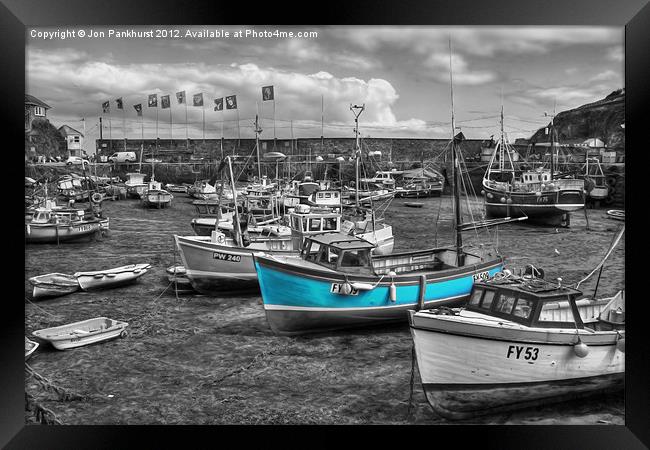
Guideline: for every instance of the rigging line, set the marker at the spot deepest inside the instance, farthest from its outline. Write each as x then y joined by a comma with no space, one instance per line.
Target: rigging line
611,249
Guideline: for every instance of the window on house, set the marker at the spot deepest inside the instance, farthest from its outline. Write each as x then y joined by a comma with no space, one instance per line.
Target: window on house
39,111
76,139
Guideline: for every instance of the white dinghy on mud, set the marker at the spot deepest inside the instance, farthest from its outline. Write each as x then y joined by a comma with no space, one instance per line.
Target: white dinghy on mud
108,278
53,285
82,333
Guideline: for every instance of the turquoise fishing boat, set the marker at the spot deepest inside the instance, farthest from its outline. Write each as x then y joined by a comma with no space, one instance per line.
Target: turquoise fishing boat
337,283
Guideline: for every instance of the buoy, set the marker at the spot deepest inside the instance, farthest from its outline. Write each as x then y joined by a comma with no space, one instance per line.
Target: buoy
96,197
346,288
538,194
620,344
581,349
482,192
509,201
392,290
503,199
489,195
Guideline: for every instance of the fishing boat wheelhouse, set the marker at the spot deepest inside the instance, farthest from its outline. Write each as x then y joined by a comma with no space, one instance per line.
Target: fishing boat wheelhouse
519,342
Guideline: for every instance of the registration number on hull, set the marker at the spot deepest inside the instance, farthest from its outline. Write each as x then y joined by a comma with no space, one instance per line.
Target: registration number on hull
226,257
84,228
481,276
338,288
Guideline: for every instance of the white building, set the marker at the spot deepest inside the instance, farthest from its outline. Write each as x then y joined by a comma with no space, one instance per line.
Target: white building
74,140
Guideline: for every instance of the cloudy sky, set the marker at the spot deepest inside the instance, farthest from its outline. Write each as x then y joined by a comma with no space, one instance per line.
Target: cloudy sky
400,73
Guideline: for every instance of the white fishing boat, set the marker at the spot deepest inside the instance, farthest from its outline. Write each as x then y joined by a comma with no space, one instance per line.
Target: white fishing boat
53,285
155,196
176,188
516,345
520,341
49,226
30,348
118,276
82,333
135,185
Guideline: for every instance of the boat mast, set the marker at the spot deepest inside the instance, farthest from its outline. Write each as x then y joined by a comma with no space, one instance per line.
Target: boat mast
357,150
234,195
454,171
258,130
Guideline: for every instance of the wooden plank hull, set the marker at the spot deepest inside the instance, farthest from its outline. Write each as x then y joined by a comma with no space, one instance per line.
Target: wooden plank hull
469,370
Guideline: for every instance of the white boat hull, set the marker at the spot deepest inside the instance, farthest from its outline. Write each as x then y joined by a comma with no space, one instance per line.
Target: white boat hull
111,277
465,375
82,333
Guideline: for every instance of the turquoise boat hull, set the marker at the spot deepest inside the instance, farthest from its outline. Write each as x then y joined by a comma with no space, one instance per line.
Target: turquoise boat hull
300,300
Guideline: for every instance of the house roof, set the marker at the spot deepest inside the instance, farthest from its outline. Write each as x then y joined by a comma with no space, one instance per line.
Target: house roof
67,130
31,100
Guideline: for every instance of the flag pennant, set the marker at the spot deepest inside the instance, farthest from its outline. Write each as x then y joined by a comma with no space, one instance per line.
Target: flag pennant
106,106
180,96
164,102
231,102
138,108
267,93
218,104
198,99
120,104
153,100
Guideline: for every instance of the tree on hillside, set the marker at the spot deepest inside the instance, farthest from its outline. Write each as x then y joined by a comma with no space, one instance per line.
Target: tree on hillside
46,139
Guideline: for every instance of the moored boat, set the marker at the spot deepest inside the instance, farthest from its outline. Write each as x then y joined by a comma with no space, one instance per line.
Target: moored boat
82,333
616,214
519,342
48,226
101,279
53,285
155,196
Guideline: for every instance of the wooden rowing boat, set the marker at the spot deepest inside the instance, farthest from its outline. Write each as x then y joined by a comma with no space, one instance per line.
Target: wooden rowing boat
53,285
118,276
616,214
82,333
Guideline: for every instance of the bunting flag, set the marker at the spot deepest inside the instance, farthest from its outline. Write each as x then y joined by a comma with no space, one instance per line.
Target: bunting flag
198,99
231,102
153,100
218,102
180,96
164,102
267,93
120,105
138,108
106,106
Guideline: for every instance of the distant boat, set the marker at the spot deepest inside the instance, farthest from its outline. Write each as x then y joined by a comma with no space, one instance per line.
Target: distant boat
82,333
414,204
616,214
30,348
53,285
51,226
155,196
135,185
101,279
517,344
176,188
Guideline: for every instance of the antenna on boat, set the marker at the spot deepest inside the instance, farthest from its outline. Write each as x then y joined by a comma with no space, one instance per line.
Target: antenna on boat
357,149
454,175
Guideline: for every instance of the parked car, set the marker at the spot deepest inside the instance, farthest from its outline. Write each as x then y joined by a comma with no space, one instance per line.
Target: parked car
123,157
76,160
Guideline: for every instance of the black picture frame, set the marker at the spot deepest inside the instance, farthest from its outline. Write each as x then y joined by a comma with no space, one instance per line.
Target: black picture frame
634,15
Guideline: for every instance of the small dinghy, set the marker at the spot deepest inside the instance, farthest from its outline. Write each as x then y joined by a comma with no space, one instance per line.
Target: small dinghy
83,333
616,214
30,348
118,276
414,204
53,285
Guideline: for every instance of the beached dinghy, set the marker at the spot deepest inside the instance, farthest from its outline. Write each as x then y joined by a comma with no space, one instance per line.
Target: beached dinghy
118,276
518,343
30,348
53,285
83,333
616,214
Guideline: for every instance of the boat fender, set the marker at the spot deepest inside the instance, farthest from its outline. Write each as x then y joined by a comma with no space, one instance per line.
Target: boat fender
392,291
620,344
538,194
509,201
346,288
581,349
502,200
489,195
482,192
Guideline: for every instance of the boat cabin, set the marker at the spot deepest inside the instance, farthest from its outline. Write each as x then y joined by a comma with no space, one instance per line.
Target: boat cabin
330,198
535,177
307,221
531,302
46,215
340,252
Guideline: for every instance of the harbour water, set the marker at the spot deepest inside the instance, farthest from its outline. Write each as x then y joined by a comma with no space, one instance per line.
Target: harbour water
193,359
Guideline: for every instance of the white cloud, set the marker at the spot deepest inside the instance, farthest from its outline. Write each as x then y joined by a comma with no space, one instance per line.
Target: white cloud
615,53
